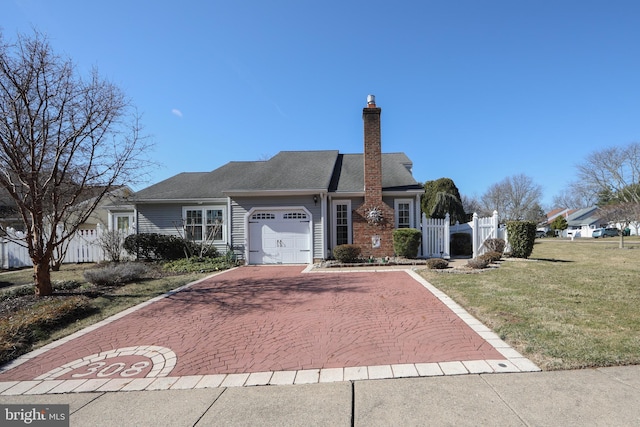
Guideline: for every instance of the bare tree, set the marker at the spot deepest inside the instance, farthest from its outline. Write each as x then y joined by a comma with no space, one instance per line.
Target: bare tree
613,176
612,171
624,214
471,205
62,138
516,198
112,243
576,195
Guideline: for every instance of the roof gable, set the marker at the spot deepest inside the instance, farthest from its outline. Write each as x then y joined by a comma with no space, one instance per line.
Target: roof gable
396,173
585,216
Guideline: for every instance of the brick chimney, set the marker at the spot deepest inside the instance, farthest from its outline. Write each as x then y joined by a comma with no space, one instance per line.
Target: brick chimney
373,220
372,153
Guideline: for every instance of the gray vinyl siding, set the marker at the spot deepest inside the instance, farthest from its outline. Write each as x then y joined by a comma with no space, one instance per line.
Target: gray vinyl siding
241,205
160,219
167,219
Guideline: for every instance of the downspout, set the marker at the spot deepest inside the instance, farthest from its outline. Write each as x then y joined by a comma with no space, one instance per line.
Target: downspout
323,215
229,226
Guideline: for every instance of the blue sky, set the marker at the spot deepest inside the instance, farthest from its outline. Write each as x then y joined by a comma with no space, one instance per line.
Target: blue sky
472,90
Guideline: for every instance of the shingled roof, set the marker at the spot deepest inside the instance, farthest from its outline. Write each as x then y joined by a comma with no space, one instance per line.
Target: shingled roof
288,171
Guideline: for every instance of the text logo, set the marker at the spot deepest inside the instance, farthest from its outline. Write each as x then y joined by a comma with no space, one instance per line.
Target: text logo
34,415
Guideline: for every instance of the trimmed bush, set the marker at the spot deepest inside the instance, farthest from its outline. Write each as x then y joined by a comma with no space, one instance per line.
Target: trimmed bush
116,274
437,263
522,236
495,245
406,242
154,246
478,263
347,253
491,256
461,244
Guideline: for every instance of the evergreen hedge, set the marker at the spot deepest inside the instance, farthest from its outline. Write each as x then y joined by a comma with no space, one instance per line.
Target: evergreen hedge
522,236
406,242
347,253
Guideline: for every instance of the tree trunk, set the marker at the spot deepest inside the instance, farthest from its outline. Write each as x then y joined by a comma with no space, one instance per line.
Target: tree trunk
42,277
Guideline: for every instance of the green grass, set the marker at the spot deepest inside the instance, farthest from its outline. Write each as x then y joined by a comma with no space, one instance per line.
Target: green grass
573,304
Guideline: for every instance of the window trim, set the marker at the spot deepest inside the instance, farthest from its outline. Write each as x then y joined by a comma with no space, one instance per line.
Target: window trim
334,215
113,221
204,210
396,204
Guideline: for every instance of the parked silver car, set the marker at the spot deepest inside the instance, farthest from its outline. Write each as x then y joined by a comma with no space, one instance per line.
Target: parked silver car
605,232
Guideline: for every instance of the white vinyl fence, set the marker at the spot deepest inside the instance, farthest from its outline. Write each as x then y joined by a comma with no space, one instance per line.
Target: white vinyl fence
436,237
83,247
436,240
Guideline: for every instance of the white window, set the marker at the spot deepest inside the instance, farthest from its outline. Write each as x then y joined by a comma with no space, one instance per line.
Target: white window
122,222
342,222
404,213
205,224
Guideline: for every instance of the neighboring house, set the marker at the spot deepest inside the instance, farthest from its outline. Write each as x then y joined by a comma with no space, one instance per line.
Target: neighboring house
293,208
552,215
112,212
582,222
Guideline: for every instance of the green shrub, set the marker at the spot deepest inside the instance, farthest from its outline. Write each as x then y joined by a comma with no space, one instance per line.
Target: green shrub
437,263
154,246
17,291
20,291
522,236
406,242
116,274
209,251
201,265
461,244
347,253
478,263
495,245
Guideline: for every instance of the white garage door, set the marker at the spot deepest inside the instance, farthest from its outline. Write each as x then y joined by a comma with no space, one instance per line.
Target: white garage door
280,237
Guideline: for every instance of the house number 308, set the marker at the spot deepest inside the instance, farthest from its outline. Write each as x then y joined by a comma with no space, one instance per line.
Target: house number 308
101,369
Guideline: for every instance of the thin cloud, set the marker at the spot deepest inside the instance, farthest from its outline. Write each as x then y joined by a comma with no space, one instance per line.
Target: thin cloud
176,112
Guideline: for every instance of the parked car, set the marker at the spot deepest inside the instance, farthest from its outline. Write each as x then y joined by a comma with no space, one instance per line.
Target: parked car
605,232
540,234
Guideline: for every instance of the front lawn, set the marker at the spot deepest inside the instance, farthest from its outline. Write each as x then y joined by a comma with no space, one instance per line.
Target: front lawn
573,304
28,322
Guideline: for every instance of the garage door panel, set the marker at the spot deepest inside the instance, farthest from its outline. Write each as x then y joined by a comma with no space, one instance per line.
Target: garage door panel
279,238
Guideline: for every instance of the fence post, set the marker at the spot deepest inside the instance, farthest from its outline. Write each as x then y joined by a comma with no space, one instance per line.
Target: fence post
475,235
494,224
424,240
447,237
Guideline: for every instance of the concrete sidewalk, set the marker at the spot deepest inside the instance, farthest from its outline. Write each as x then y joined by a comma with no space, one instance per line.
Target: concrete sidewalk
590,397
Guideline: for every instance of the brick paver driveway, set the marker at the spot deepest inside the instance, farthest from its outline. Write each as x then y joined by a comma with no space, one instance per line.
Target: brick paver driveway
255,319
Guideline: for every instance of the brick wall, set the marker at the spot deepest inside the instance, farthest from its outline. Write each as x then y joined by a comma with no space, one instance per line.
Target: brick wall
374,239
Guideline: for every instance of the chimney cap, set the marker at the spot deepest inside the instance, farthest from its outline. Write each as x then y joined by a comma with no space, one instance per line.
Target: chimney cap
371,100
